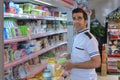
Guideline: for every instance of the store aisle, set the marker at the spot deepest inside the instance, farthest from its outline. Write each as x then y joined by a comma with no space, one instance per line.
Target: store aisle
108,77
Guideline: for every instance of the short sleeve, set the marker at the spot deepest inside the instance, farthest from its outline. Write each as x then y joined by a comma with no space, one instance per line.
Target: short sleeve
92,47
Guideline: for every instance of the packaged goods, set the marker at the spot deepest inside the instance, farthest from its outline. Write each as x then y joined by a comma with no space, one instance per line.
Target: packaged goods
61,60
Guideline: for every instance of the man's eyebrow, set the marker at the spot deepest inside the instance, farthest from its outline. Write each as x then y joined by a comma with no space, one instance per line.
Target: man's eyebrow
77,17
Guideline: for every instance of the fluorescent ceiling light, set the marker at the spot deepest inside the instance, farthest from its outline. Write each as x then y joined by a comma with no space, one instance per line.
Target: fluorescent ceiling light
43,2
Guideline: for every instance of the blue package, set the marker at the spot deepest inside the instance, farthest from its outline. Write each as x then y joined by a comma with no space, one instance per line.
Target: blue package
5,34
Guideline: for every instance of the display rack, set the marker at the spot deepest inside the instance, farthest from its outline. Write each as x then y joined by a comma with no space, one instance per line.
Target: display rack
113,41
20,39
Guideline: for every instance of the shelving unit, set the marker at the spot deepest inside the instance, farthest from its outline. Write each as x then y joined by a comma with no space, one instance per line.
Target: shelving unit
113,48
113,42
40,67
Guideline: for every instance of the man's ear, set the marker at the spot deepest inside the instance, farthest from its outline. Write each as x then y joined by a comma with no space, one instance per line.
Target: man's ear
86,21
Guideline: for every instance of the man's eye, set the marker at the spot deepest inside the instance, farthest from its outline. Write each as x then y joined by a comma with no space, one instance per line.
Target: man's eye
79,17
73,18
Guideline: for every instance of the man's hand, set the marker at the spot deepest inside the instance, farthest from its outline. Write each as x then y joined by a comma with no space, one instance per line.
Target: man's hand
68,56
68,65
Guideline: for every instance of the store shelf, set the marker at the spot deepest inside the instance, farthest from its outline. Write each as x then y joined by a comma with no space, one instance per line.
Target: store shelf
113,63
61,19
30,16
114,56
112,70
48,34
16,40
19,39
22,16
113,38
26,58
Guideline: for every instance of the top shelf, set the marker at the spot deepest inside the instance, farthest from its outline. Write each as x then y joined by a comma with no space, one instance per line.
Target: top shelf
28,16
49,3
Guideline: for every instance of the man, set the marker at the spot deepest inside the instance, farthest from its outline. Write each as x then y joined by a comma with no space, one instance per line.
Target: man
85,55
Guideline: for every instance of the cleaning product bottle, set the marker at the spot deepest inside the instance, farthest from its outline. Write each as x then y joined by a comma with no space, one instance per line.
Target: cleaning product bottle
51,66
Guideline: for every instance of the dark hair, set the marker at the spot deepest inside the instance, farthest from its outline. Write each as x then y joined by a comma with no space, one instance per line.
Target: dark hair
79,10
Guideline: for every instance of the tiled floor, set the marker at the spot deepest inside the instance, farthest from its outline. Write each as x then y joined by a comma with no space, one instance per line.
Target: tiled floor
108,77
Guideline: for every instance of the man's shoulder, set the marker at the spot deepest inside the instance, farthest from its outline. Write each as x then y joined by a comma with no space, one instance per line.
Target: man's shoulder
88,34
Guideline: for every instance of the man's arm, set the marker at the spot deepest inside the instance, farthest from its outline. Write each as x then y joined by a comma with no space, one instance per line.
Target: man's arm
93,63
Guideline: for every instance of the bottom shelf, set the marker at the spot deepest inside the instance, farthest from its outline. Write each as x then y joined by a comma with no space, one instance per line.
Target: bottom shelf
113,64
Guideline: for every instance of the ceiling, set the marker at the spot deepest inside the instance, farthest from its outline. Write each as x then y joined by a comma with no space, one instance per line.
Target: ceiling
103,7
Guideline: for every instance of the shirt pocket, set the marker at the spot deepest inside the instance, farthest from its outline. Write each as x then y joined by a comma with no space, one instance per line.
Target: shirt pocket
79,54
79,50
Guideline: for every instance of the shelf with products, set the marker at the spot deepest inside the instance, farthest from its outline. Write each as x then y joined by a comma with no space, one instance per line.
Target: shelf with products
22,16
23,59
113,42
34,67
19,39
30,16
21,30
113,50
114,15
30,34
113,33
113,63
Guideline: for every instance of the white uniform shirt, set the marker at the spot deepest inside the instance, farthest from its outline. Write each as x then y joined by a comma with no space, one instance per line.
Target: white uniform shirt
84,47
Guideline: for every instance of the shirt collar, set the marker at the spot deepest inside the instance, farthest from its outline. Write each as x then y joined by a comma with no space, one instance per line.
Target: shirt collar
83,30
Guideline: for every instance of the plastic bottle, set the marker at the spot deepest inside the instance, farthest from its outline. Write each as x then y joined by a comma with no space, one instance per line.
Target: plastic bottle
46,74
51,66
11,7
7,28
4,8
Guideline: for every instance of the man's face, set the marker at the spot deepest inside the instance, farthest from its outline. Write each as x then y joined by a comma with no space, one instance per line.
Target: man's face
79,21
